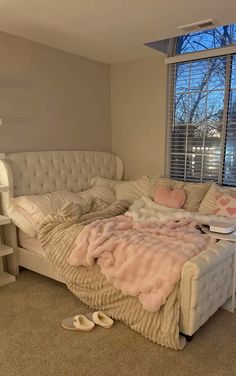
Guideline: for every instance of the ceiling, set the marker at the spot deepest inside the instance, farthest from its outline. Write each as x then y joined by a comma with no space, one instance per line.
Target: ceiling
110,31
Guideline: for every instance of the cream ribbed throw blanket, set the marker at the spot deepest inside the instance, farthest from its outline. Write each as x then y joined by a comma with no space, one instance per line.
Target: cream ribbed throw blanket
57,235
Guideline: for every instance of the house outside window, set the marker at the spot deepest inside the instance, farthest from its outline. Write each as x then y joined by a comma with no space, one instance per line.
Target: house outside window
202,106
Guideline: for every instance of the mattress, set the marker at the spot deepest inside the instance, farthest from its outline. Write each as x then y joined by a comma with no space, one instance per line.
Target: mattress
30,243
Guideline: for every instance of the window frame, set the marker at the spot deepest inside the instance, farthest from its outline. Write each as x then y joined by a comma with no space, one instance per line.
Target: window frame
190,56
227,51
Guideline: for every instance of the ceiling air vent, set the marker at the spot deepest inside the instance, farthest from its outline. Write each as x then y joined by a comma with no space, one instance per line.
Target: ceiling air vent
197,25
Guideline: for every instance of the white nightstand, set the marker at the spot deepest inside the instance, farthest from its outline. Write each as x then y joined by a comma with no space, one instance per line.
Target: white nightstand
4,249
230,304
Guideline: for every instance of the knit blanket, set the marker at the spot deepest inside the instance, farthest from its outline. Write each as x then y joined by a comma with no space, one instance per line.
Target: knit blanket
58,233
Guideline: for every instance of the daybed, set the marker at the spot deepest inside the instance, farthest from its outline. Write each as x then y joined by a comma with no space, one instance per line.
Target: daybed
206,281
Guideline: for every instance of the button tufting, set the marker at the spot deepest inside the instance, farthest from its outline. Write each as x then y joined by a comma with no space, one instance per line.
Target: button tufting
40,172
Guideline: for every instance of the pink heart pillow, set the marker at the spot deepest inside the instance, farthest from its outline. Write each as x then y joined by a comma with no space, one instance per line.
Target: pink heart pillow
225,204
172,199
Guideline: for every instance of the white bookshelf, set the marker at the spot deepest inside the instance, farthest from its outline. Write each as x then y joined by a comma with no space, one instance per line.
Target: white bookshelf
3,188
5,250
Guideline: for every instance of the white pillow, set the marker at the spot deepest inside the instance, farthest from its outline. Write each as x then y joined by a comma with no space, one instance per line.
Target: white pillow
98,180
98,191
26,212
133,189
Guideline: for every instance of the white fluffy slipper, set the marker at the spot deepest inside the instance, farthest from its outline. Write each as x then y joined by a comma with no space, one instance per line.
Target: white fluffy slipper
79,322
102,320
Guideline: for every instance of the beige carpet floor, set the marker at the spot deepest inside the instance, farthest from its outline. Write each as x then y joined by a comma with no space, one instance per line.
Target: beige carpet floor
32,342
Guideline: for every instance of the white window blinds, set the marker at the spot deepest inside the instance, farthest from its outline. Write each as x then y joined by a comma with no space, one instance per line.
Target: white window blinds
202,120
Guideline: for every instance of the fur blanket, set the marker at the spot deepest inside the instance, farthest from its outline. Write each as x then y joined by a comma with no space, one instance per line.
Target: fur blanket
140,259
58,233
146,210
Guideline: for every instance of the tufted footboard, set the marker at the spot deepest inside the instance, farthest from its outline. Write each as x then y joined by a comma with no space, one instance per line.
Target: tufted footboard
206,284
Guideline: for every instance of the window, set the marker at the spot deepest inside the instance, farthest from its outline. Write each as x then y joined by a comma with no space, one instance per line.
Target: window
202,110
204,40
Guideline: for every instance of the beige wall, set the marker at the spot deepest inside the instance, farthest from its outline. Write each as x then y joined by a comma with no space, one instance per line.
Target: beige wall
138,109
51,99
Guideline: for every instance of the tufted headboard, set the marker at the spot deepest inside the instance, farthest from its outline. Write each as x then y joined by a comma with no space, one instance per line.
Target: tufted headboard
48,171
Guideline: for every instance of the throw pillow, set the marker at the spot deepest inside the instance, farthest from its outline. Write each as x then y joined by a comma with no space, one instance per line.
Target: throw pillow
225,204
132,190
171,198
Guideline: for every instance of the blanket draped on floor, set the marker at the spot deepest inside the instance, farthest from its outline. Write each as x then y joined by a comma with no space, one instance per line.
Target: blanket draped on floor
58,233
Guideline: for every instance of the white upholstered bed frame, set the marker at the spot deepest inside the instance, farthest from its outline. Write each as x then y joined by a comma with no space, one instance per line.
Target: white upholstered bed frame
48,171
206,281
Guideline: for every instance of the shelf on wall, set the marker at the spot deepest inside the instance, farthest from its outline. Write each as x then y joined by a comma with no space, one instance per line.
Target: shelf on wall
5,250
4,188
4,220
6,278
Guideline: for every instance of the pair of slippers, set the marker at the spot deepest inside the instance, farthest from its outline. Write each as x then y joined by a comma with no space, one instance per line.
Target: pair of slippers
82,323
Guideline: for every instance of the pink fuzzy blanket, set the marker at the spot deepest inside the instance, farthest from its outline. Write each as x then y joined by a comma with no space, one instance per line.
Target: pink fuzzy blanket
143,260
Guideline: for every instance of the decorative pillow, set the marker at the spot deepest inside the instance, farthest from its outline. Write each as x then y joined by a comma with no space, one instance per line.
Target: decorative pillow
225,204
195,192
26,212
98,180
171,198
132,190
208,204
